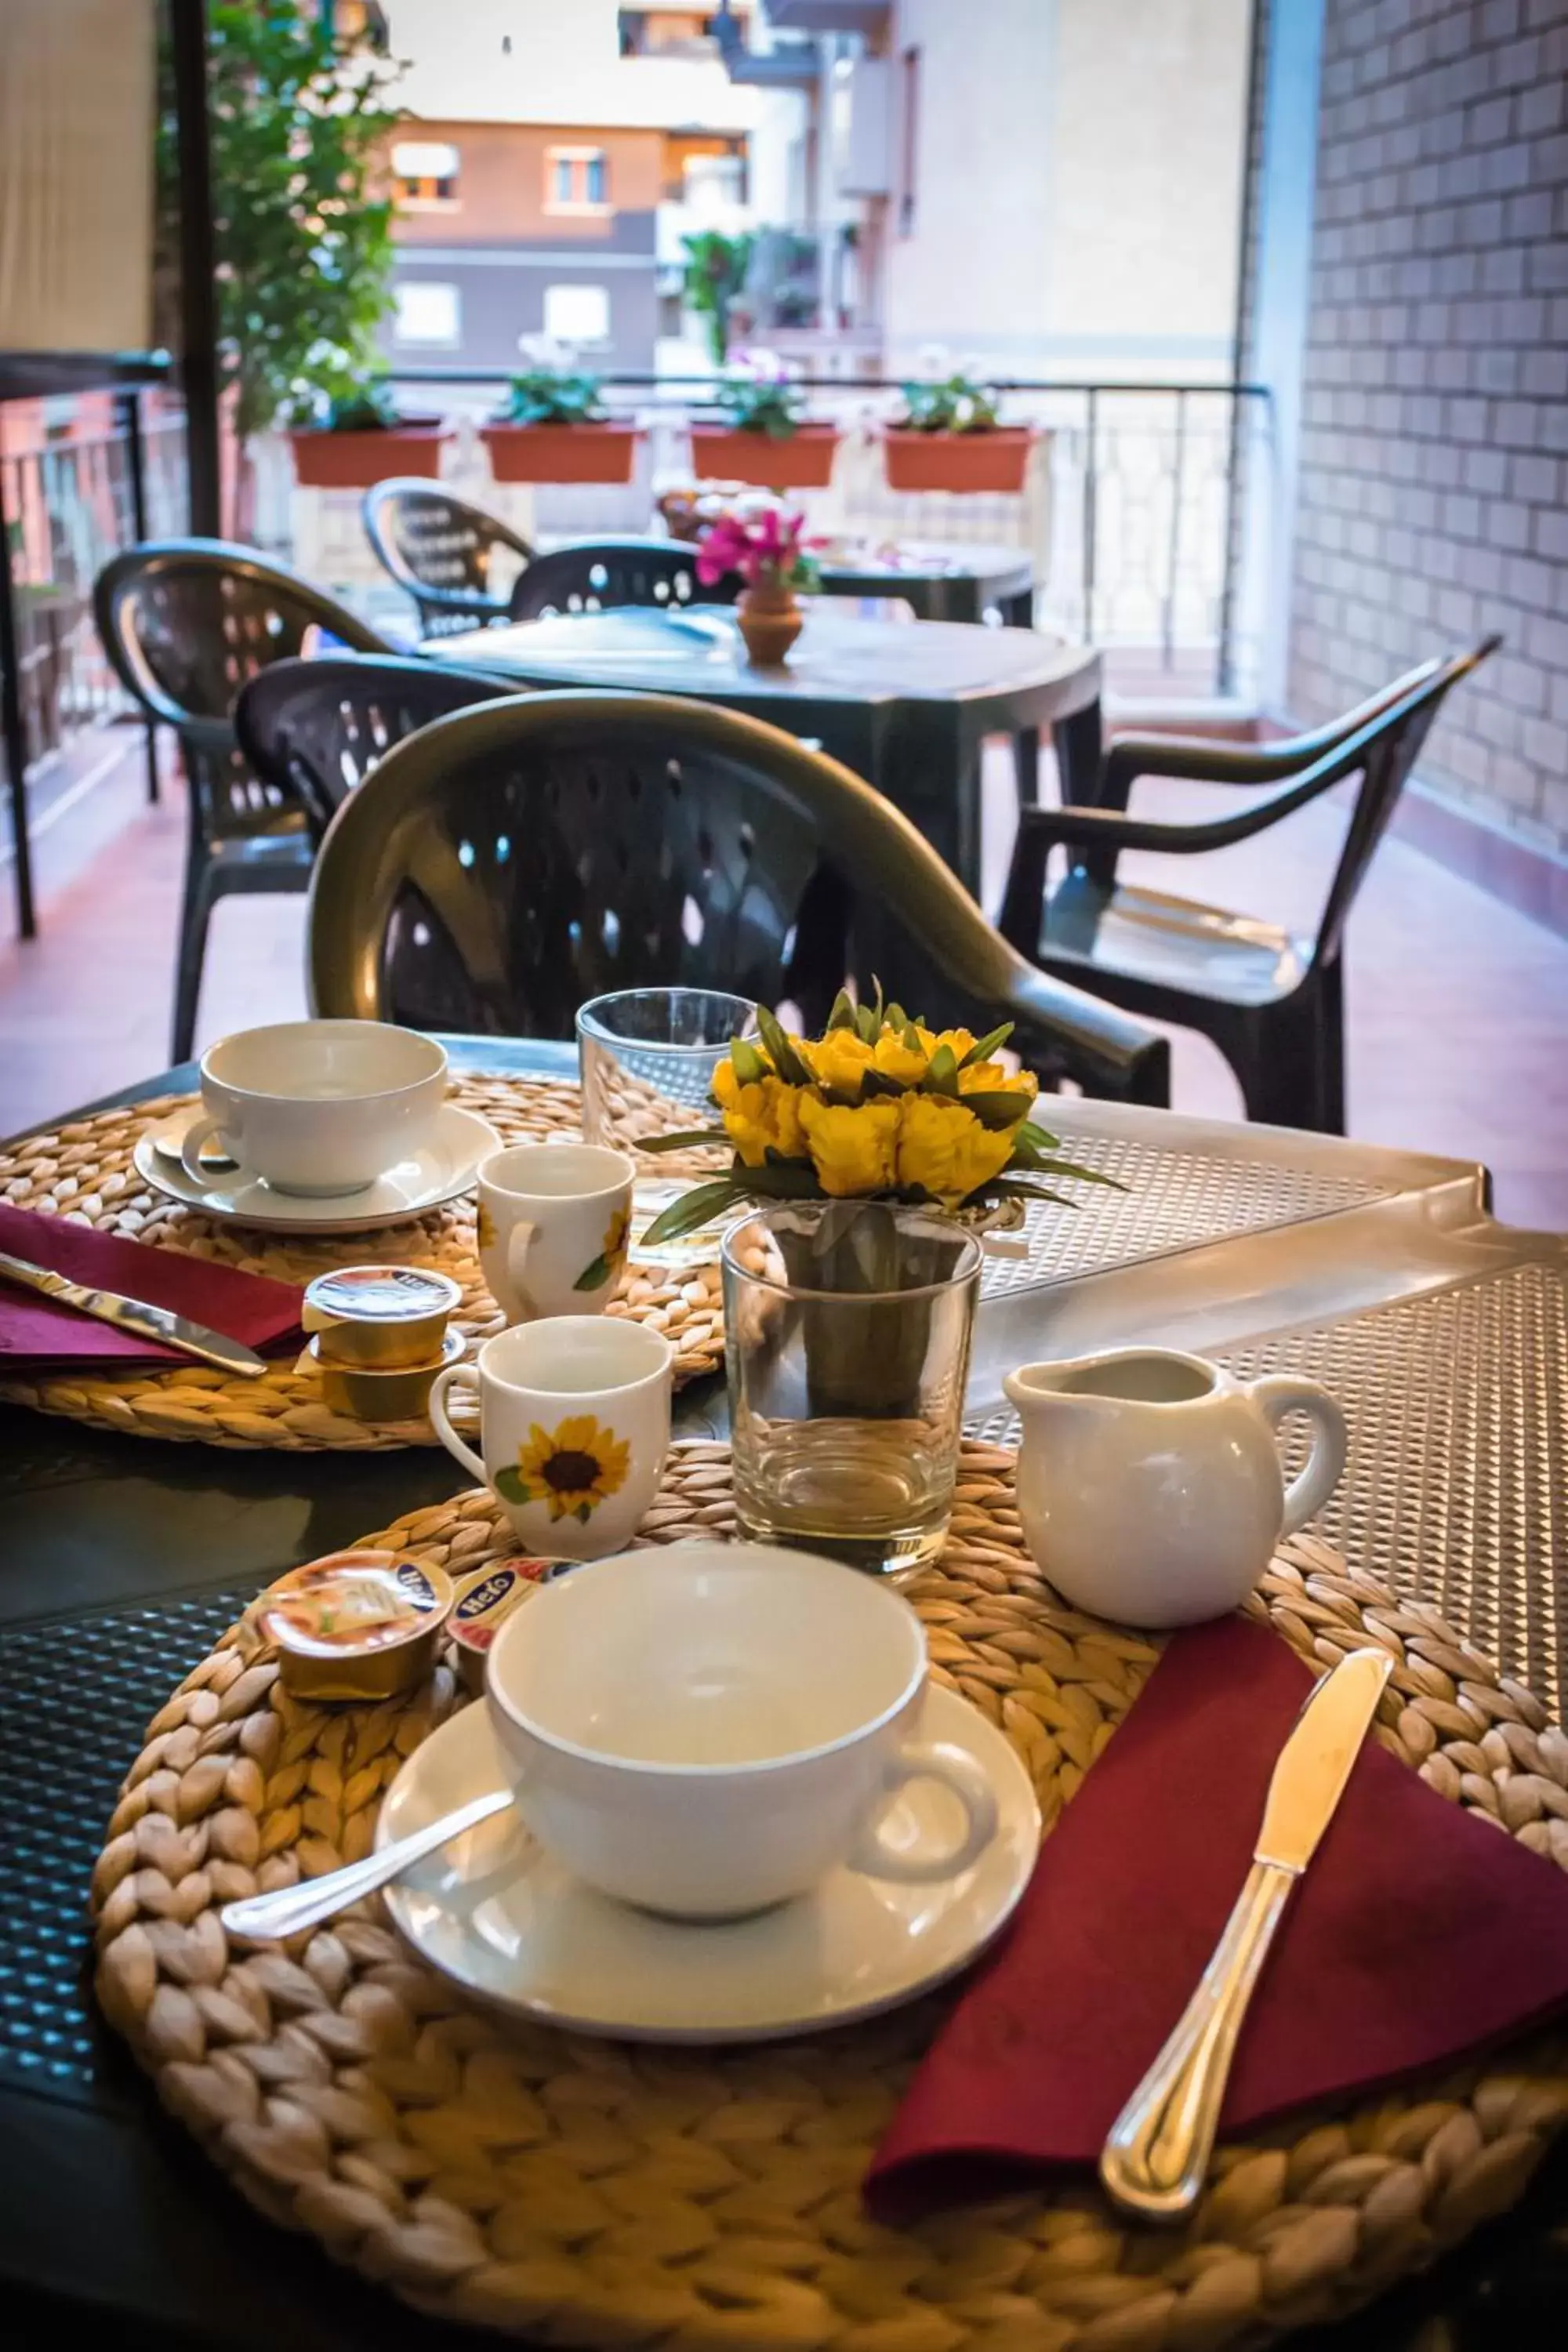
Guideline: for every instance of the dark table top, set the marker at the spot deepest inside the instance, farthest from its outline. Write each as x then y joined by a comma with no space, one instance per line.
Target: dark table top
869,567
841,658
120,1561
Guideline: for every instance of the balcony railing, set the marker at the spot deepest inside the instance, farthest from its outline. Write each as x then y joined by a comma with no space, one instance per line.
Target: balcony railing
69,506
1130,509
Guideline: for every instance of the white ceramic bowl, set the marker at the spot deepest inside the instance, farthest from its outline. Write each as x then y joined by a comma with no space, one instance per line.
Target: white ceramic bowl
318,1107
705,1728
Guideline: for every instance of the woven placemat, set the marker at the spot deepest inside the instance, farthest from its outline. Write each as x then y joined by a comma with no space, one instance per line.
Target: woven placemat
87,1171
589,2192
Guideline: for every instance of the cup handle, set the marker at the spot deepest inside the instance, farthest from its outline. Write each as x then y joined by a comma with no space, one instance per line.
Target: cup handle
957,1770
190,1149
518,1243
1278,1394
459,1447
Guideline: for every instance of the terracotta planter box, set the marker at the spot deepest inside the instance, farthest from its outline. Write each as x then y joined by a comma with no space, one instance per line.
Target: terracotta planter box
804,462
560,453
994,461
357,461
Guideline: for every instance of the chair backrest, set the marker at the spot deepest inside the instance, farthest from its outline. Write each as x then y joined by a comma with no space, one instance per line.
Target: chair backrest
185,623
442,552
316,729
504,864
1385,751
598,574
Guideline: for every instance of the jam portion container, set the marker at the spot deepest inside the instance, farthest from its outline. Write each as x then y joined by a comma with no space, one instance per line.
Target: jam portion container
380,1317
397,1393
485,1601
356,1624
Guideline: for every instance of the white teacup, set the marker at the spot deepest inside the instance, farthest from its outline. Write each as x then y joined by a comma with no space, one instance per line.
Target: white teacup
708,1728
317,1108
555,1219
573,1428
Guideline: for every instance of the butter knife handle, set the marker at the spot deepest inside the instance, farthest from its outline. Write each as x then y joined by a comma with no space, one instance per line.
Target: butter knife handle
1158,2152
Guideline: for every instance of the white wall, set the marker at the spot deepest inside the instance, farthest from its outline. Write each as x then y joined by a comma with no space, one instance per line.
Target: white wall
1078,186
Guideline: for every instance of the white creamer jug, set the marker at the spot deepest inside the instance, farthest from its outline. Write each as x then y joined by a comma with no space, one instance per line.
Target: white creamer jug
1150,1485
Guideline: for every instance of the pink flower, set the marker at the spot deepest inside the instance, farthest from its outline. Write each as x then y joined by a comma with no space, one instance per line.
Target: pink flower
761,543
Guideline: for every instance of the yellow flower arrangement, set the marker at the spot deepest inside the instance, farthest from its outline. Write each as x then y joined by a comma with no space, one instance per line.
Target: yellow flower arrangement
877,1107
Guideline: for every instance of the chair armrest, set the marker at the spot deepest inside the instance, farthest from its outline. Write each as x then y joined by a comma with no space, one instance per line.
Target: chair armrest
1116,1055
1204,761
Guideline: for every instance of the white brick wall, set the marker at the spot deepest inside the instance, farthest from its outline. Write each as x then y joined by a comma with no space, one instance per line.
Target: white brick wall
1434,476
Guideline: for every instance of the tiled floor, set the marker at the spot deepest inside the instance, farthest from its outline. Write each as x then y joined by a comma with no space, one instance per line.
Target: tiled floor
1459,1007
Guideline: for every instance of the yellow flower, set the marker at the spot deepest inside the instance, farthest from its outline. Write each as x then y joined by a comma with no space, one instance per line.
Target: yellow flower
907,1063
838,1061
994,1077
762,1116
960,1040
573,1468
853,1151
943,1149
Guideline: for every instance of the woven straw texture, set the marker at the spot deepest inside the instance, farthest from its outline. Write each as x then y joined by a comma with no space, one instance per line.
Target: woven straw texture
86,1170
585,2192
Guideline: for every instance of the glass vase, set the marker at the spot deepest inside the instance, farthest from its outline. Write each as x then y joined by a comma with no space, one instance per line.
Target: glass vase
848,1329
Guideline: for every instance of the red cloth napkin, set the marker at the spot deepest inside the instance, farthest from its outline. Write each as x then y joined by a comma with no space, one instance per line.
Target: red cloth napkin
250,1307
1418,1934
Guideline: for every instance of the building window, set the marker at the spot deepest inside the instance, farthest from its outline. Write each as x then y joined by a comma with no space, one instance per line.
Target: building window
577,314
909,137
425,170
576,180
427,312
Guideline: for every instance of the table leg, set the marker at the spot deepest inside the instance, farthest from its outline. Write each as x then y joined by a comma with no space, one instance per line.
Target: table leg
1079,745
1018,612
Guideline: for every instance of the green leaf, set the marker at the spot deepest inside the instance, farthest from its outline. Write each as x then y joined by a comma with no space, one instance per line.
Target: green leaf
1084,1175
984,1047
783,1180
1037,1136
877,1082
843,1013
993,1109
511,1486
749,1064
695,1208
897,1019
942,1075
584,1511
913,1039
689,1141
786,1062
595,1276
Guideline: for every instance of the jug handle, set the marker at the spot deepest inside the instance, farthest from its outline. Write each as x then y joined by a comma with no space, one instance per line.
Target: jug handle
1277,1394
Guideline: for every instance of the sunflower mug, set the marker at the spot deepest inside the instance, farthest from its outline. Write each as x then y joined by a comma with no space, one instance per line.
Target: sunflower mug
555,1220
573,1428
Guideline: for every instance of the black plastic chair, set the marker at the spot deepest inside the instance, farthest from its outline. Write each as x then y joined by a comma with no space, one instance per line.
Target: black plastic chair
1272,1003
502,865
599,574
185,623
442,552
316,729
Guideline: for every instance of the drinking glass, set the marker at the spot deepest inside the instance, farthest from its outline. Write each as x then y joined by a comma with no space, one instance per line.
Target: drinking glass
848,1327
647,1057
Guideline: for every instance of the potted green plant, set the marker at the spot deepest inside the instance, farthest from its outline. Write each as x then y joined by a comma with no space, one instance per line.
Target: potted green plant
949,439
768,440
551,428
716,267
347,434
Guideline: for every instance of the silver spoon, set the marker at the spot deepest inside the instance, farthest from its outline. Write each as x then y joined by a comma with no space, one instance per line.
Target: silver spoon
291,1910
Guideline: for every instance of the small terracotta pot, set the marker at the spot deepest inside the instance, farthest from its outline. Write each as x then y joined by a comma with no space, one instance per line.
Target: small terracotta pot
804,462
560,453
357,461
994,461
771,620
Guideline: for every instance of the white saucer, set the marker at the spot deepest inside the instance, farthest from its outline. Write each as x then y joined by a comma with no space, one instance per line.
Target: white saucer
502,1919
439,1173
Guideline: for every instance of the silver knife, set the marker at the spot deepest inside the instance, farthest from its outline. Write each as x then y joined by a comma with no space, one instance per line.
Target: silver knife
1155,2158
160,1323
